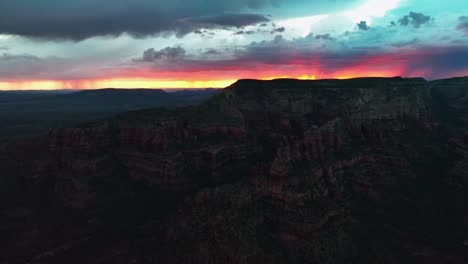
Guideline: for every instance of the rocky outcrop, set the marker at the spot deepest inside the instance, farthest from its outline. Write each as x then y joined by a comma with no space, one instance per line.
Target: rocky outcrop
364,170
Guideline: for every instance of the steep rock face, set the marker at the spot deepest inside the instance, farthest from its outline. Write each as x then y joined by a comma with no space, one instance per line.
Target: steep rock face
361,171
168,154
452,99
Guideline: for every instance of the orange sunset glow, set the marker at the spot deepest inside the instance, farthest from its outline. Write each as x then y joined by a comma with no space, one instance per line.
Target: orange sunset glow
244,131
198,81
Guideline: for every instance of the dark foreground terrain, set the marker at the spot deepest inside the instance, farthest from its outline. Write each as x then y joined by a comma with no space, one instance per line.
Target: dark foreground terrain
354,171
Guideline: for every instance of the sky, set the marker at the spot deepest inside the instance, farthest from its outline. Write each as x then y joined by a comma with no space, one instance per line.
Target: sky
89,44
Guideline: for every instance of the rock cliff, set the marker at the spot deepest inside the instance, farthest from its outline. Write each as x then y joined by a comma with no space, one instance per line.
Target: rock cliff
354,171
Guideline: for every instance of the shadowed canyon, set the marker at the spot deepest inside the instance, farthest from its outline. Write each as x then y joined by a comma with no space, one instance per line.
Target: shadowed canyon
367,170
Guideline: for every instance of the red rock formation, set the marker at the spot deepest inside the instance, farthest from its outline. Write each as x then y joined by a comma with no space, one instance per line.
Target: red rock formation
269,172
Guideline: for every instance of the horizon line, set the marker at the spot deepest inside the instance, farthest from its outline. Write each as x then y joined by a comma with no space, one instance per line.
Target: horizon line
223,87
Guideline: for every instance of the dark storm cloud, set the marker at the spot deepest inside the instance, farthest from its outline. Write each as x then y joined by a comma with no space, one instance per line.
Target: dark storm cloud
227,20
169,53
463,24
81,19
440,62
363,25
324,37
434,62
278,30
414,19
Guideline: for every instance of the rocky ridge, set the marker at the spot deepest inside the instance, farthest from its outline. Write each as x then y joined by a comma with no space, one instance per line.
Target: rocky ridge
356,171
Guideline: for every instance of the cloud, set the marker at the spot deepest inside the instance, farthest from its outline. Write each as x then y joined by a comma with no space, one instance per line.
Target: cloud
381,50
166,54
211,52
349,54
363,25
18,57
226,20
14,66
414,19
406,43
352,54
278,30
440,62
242,32
463,26
32,67
324,37
81,19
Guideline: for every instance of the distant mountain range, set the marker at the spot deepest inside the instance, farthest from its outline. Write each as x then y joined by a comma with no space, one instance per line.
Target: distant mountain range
29,113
